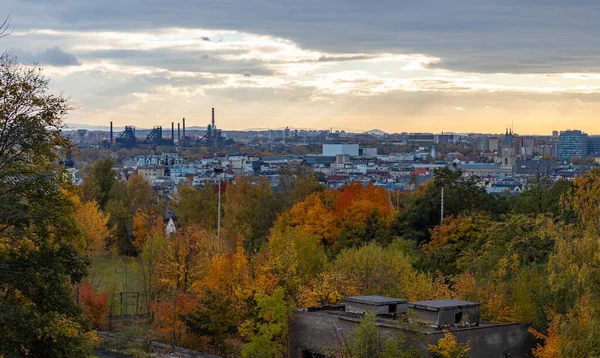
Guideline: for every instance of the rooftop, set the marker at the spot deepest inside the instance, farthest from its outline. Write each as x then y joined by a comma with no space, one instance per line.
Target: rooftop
441,305
374,300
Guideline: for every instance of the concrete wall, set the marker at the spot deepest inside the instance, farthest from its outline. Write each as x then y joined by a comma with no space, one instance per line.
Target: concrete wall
380,310
335,149
322,332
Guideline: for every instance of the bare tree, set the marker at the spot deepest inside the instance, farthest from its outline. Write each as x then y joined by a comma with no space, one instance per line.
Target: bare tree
5,29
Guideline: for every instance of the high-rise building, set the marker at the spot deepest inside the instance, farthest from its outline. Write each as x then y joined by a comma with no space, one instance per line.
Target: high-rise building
482,143
594,145
572,143
493,144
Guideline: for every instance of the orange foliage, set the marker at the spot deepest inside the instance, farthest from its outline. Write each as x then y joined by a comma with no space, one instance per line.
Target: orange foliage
551,346
353,193
227,273
312,216
94,304
146,223
168,313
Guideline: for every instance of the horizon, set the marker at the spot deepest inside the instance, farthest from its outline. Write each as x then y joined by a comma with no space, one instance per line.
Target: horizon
463,67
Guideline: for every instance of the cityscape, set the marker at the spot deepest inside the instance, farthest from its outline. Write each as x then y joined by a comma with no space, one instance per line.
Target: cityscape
299,179
398,161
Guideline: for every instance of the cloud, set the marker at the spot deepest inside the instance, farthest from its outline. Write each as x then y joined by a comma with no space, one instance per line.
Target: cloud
53,56
468,35
57,57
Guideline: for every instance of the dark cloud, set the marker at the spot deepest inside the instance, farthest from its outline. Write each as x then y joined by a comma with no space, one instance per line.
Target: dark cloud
469,35
53,56
175,60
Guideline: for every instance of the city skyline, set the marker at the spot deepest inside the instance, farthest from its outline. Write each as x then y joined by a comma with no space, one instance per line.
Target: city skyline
394,66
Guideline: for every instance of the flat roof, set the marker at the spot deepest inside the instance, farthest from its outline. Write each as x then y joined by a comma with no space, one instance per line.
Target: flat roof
441,305
374,300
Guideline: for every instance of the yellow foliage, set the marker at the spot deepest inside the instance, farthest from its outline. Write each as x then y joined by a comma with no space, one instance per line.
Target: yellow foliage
448,347
93,224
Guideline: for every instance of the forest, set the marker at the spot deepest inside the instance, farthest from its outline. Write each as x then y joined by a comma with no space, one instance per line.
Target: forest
532,257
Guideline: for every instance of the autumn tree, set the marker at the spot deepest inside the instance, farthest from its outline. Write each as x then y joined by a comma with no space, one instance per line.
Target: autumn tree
462,196
294,257
186,254
95,304
38,313
267,329
148,261
585,199
98,184
448,347
544,196
250,208
196,206
93,224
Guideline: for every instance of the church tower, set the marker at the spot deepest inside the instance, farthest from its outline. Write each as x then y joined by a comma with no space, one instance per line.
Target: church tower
508,156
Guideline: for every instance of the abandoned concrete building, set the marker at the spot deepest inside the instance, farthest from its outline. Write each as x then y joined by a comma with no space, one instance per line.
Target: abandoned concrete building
321,331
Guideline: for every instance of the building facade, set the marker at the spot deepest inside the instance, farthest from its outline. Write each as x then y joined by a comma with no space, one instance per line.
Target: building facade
572,143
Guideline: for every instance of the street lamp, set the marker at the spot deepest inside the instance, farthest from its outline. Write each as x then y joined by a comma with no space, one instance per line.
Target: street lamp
440,183
219,173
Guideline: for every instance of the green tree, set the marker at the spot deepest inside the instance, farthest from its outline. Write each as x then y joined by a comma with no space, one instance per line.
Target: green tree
98,185
267,331
461,196
39,264
366,340
544,196
196,206
213,318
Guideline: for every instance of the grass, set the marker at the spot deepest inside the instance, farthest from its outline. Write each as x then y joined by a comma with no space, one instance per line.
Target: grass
117,274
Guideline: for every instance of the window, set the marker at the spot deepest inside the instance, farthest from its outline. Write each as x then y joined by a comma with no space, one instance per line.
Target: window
392,308
458,316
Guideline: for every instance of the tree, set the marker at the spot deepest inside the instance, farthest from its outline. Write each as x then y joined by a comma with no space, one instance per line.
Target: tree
448,347
97,186
462,196
249,210
196,206
373,270
294,257
184,258
148,261
213,318
367,341
585,198
93,224
95,304
544,196
267,331
40,266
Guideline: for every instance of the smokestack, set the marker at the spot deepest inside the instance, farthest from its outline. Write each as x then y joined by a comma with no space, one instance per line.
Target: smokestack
184,129
111,134
178,132
213,122
173,132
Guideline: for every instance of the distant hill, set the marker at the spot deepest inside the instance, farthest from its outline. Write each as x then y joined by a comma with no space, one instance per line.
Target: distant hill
378,132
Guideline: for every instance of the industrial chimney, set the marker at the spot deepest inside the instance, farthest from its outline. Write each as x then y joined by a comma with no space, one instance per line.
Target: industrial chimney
178,132
184,129
111,134
173,132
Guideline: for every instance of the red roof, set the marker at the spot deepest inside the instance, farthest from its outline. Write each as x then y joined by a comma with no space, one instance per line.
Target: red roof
336,178
420,172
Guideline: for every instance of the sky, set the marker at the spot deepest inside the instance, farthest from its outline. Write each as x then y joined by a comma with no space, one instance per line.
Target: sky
394,65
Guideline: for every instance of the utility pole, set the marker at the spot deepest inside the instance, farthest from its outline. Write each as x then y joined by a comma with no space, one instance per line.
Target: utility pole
440,183
219,172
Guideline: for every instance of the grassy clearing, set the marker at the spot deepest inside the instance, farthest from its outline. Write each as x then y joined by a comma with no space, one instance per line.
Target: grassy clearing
115,274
